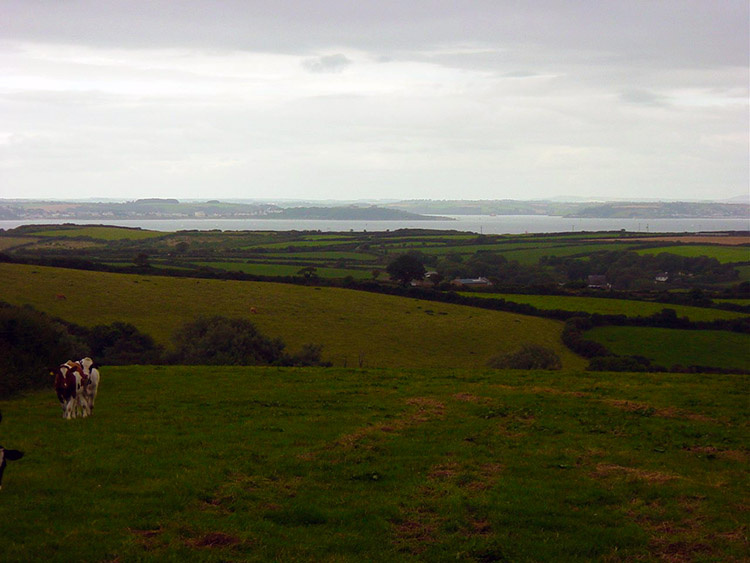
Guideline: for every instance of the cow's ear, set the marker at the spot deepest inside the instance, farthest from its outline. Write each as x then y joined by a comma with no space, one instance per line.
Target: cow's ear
13,455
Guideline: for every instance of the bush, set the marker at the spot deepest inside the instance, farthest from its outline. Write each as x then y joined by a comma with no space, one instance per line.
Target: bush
530,356
30,343
122,344
223,341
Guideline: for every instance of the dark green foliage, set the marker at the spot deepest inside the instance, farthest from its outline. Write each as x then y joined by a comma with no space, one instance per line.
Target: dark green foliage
620,363
223,341
530,356
122,344
309,355
30,343
573,338
405,268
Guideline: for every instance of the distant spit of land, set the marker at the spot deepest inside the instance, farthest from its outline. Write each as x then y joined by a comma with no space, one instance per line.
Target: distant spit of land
427,210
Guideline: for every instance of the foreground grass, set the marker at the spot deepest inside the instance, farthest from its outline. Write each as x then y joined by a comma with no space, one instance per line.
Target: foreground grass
668,347
264,464
353,326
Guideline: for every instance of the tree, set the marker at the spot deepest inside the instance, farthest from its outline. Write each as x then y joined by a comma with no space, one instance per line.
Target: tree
223,341
405,268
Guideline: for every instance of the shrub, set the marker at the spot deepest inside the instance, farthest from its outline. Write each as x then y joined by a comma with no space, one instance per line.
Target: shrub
530,356
122,344
223,341
30,343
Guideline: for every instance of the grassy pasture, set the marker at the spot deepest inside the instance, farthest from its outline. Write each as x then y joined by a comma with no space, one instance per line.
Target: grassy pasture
668,347
11,242
259,464
382,330
331,255
99,233
724,254
285,269
605,306
743,302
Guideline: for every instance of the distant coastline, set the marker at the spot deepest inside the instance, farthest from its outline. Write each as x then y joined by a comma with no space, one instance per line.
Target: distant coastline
480,224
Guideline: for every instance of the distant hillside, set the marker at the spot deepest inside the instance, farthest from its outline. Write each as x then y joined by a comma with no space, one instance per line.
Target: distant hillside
634,209
372,213
353,326
157,208
664,210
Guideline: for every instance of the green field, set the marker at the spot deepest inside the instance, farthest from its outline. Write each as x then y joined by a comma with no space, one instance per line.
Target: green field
743,302
266,464
374,329
100,233
605,306
668,347
724,254
285,270
11,242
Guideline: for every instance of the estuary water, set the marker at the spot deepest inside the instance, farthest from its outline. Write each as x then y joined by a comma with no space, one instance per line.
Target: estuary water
480,224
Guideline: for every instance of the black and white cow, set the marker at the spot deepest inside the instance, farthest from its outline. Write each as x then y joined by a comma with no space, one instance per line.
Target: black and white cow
6,456
89,386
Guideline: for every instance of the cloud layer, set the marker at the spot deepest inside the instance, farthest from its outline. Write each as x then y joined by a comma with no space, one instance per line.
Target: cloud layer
423,99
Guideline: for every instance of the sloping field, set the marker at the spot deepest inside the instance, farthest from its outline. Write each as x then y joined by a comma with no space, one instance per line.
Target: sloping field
668,347
724,254
354,327
605,306
266,464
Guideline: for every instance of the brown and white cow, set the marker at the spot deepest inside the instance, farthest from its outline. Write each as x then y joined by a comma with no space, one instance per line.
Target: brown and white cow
6,456
68,385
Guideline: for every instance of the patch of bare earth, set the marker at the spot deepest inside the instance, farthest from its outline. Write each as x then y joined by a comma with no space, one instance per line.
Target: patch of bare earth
655,477
423,410
213,540
713,452
417,526
646,409
469,398
149,539
685,539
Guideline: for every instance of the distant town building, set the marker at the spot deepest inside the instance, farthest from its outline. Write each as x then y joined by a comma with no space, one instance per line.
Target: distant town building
598,282
471,281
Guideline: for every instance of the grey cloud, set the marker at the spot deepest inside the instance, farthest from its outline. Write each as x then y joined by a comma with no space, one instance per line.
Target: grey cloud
327,63
644,97
674,32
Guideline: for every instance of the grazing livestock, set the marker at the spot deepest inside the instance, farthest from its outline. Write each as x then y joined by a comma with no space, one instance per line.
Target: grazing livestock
68,383
90,385
6,456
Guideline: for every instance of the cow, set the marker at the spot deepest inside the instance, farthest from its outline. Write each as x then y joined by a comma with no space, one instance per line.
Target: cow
6,456
90,385
68,384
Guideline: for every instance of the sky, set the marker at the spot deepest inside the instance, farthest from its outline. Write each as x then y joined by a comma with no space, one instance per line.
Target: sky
382,99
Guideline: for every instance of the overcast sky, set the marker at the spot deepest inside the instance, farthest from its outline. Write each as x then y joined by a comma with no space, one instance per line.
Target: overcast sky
344,99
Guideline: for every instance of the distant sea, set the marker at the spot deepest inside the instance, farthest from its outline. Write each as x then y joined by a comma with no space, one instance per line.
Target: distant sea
481,224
